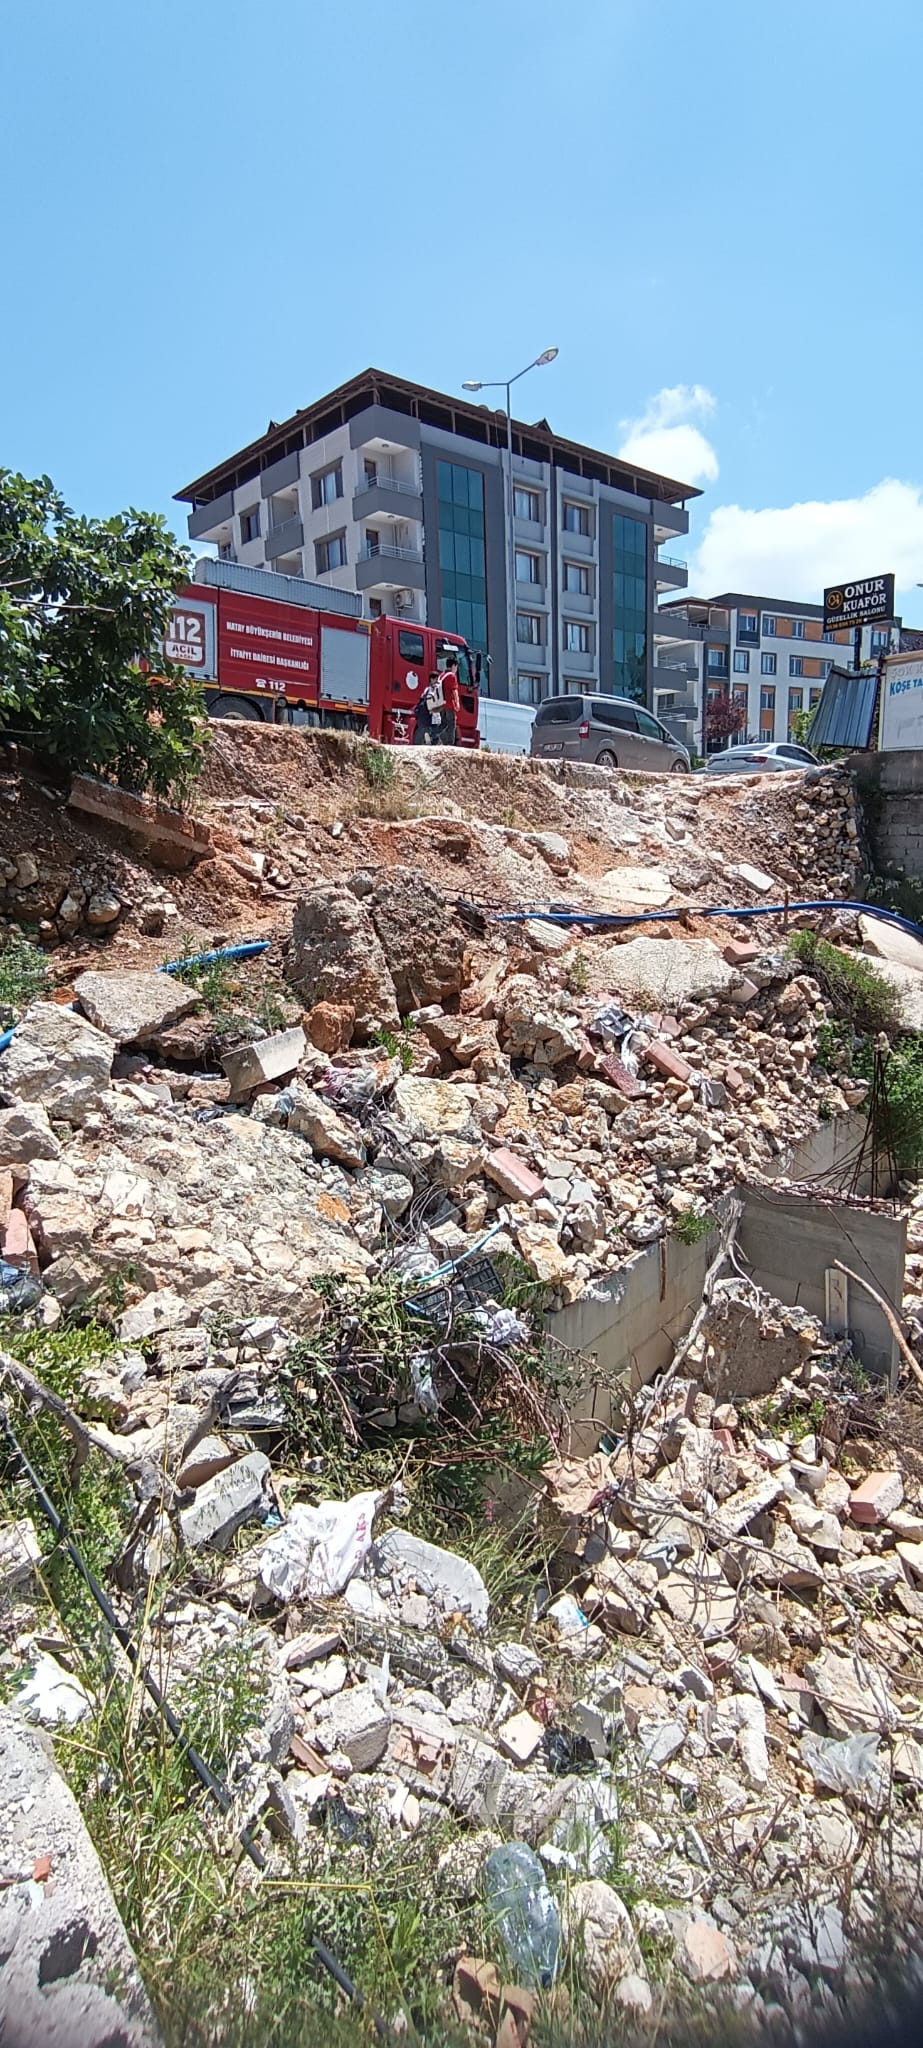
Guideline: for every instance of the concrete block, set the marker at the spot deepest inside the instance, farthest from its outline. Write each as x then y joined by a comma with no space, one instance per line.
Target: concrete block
520,1737
69,1977
667,1062
171,836
267,1059
879,1495
449,1581
356,1724
224,1503
512,1176
133,1007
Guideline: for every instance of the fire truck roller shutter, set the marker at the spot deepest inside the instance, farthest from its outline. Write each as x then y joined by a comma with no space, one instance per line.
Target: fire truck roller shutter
344,666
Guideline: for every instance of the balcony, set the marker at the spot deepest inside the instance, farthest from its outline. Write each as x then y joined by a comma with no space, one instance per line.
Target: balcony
669,573
389,568
388,494
574,664
204,520
286,539
669,520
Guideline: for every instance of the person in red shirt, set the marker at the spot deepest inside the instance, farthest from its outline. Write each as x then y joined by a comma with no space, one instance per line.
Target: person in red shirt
448,736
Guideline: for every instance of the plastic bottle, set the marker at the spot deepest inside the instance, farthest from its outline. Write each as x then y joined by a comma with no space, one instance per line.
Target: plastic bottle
525,1913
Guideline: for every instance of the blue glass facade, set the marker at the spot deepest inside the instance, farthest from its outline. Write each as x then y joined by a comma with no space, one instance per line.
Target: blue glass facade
462,552
630,599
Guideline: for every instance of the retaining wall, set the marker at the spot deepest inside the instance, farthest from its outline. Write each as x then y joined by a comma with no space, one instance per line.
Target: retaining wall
890,789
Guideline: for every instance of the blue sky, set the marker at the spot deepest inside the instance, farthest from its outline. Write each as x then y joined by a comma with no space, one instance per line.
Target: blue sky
215,212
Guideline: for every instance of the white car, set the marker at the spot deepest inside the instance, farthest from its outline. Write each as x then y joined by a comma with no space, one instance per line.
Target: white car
761,760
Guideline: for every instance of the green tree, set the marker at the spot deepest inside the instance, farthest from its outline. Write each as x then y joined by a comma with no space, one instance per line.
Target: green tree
82,601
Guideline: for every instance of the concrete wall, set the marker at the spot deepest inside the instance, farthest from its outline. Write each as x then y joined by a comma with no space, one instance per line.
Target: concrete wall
631,1330
890,790
790,1240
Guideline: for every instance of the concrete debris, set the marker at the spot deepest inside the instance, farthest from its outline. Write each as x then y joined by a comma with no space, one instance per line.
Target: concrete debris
718,1596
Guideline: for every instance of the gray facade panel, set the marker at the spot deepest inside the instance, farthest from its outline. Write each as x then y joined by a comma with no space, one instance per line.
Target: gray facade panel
279,474
283,540
205,517
378,424
398,571
382,497
606,596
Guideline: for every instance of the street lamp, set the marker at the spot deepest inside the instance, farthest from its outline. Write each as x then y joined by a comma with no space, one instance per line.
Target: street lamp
506,384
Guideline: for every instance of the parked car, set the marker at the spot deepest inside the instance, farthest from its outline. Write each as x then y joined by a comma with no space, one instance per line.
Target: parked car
612,731
761,760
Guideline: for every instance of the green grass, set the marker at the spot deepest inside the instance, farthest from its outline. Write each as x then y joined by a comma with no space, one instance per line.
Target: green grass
397,1045
852,988
23,977
693,1224
378,766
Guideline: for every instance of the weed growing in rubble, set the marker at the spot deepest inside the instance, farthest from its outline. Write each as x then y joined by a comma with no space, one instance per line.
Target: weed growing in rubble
378,767
23,977
855,992
397,1046
578,974
694,1224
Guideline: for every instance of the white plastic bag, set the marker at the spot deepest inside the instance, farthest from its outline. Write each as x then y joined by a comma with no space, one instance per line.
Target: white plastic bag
314,1555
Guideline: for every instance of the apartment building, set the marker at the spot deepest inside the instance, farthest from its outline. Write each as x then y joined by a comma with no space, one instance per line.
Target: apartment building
770,655
403,494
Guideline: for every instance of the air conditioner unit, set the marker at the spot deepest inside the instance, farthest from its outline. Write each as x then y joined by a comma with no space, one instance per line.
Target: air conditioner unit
403,599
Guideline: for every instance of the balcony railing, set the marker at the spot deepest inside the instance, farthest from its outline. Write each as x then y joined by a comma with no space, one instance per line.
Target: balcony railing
671,561
389,483
373,549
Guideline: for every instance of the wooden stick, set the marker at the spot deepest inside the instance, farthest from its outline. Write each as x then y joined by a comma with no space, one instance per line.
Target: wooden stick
85,1440
890,1318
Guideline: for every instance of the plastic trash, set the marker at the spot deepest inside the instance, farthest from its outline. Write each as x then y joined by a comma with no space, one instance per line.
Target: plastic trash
351,1088
19,1290
849,1766
502,1326
524,1913
421,1374
611,1022
314,1555
52,1695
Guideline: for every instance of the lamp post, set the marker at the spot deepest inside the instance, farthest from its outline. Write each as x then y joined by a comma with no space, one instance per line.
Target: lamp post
506,384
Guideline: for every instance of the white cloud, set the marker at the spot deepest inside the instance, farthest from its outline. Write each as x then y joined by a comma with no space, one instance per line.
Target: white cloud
794,550
665,439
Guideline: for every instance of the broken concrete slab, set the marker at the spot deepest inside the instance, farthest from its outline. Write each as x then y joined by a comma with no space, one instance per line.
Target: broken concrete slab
26,1134
888,942
329,1135
133,1007
58,1060
454,1586
648,888
667,972
171,837
434,1109
265,1059
69,1977
355,1724
221,1507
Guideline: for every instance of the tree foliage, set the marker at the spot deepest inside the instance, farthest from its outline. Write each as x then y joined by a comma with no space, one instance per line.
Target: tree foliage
724,718
82,601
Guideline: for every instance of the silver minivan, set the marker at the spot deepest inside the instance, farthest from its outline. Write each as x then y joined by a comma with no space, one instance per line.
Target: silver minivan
612,731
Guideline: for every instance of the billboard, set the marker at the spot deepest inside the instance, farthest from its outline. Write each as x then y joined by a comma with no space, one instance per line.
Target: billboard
868,603
901,723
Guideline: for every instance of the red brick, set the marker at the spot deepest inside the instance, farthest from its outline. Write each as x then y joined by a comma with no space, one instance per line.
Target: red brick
877,1498
726,1440
739,952
667,1063
734,1081
616,1071
513,1177
17,1243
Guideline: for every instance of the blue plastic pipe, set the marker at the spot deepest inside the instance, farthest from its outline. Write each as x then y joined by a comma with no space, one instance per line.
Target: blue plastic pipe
247,952
604,920
7,1039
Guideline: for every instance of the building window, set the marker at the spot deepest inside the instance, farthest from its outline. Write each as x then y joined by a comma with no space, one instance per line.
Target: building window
769,626
881,640
225,551
573,687
576,637
825,668
797,629
527,505
748,625
374,607
767,700
327,486
630,591
716,661
814,697
462,552
577,578
330,553
577,518
741,662
829,638
795,701
529,629
529,689
250,524
767,664
796,664
528,568
371,472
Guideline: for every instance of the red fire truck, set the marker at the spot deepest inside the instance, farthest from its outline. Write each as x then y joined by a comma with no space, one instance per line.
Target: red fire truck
287,651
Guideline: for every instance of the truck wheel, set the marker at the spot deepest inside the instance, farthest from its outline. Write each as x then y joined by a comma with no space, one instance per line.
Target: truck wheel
234,707
606,759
